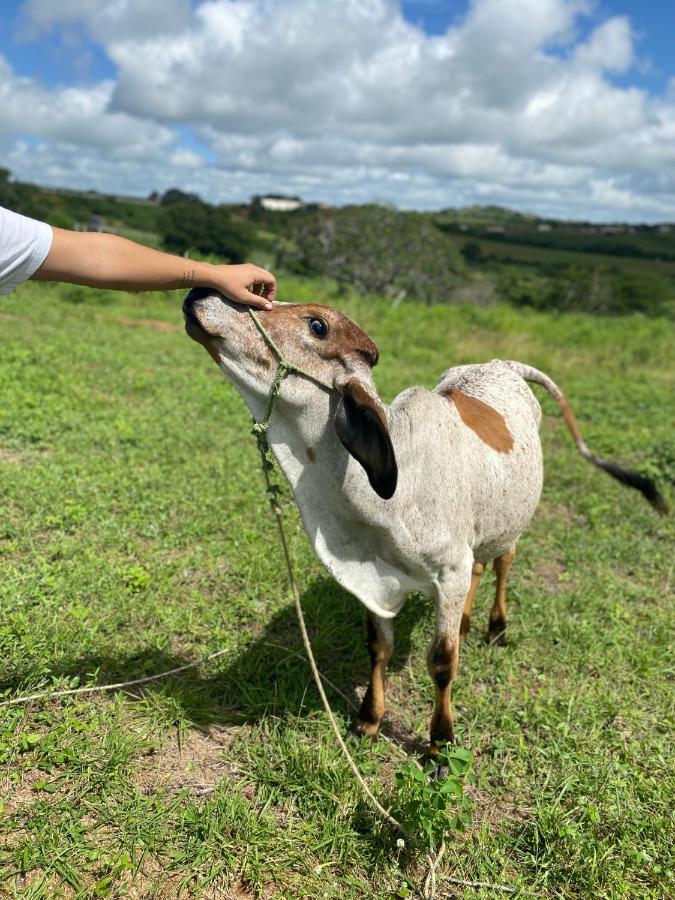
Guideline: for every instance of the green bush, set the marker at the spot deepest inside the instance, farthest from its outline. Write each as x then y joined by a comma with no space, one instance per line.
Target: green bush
376,249
598,290
59,218
208,229
428,807
612,292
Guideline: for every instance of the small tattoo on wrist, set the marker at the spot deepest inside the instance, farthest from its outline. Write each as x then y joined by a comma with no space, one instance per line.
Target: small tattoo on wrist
188,278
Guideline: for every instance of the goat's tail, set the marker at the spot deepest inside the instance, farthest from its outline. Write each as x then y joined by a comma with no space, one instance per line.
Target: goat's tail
632,479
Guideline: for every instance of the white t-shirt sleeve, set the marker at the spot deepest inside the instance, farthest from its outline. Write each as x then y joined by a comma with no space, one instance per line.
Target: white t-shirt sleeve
24,245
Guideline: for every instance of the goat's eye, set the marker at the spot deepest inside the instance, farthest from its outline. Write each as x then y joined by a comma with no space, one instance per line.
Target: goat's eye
318,327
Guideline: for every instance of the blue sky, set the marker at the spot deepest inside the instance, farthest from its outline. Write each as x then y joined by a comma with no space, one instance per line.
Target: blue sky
560,107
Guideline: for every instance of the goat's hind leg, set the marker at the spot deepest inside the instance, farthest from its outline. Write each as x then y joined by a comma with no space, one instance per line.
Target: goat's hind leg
380,648
496,633
476,573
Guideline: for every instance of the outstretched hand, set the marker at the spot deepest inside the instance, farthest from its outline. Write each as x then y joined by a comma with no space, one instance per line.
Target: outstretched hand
245,283
111,261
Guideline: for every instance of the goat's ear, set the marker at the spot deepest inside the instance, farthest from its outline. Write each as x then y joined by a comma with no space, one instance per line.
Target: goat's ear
361,426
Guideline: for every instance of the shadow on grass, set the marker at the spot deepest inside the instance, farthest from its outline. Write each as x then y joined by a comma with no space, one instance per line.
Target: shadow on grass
271,676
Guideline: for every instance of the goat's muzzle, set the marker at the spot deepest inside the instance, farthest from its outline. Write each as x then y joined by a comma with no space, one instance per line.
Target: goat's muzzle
193,325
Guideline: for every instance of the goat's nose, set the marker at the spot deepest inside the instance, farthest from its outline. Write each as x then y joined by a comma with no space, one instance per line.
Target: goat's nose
192,298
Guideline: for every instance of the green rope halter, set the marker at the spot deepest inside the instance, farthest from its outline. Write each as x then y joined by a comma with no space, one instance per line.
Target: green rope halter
283,369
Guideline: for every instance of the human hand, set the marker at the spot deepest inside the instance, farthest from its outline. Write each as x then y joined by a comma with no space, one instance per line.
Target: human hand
245,283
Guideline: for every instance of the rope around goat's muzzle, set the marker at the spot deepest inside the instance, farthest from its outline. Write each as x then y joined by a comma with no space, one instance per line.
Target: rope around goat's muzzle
284,368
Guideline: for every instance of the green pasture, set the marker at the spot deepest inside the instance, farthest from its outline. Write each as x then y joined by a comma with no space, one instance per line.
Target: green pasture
503,251
135,537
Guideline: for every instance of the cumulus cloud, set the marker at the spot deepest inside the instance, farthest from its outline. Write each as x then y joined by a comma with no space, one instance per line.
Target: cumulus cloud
77,116
107,20
350,102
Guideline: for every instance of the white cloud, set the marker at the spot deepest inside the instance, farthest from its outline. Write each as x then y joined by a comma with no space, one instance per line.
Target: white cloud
78,116
185,158
107,20
346,101
610,47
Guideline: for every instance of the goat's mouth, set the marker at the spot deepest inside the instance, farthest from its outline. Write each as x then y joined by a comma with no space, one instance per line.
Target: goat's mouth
194,329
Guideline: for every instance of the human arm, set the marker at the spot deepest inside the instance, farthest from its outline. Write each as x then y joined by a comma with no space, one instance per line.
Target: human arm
105,260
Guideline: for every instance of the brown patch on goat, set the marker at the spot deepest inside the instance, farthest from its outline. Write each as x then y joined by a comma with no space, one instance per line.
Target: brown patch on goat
344,338
488,424
568,416
442,664
311,455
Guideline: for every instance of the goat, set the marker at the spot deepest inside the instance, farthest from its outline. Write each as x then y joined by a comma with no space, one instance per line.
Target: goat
418,496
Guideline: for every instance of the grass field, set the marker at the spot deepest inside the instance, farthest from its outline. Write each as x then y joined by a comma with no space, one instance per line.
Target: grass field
135,537
505,251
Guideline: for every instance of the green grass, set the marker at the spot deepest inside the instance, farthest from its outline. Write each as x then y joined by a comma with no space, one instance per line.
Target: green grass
134,537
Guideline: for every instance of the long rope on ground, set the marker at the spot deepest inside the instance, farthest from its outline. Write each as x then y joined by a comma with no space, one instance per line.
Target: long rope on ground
119,686
312,662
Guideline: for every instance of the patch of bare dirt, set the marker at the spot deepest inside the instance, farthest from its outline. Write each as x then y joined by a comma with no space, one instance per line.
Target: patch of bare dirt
195,762
37,878
154,324
550,572
153,884
15,796
22,457
497,811
549,511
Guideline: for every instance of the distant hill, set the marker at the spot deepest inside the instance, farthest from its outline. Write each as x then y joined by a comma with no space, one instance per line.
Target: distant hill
476,254
486,215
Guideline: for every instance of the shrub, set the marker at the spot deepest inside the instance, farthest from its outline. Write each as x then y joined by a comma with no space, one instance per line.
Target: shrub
377,249
429,809
208,229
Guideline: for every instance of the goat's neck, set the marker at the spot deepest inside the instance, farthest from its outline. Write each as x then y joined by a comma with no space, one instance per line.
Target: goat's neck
352,530
305,443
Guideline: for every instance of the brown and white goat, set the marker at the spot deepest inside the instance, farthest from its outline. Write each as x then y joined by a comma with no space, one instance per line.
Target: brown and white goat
417,496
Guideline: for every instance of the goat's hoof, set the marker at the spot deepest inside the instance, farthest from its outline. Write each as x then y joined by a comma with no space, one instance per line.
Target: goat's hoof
361,729
496,634
439,773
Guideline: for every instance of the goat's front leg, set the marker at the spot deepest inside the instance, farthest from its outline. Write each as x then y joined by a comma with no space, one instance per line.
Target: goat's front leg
443,653
380,648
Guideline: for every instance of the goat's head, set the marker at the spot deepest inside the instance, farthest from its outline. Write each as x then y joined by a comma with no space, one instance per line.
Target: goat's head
318,339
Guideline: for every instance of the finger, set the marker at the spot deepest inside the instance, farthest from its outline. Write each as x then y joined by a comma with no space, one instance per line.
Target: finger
267,281
251,299
263,290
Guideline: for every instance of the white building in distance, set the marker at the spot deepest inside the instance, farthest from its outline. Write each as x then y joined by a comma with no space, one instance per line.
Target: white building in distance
280,203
